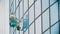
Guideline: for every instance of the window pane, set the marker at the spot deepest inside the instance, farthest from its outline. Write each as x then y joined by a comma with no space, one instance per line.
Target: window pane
45,20
21,10
25,5
38,8
54,13
31,14
45,4
52,1
26,32
31,29
55,29
30,2
47,32
38,25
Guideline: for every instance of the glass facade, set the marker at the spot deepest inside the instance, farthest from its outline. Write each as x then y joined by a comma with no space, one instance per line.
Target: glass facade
37,16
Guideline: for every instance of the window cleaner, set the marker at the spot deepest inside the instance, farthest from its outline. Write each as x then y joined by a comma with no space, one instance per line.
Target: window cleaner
13,21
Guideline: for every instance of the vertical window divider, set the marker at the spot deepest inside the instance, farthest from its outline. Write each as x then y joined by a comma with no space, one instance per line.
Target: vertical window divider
15,15
23,13
59,15
19,15
9,17
41,19
49,18
28,17
34,21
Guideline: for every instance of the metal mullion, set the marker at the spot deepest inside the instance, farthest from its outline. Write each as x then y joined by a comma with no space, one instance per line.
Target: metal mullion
34,21
19,11
9,9
23,13
49,18
9,17
59,15
28,17
19,16
41,19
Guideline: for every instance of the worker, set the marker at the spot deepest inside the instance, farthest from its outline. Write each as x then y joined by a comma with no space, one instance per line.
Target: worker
13,21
